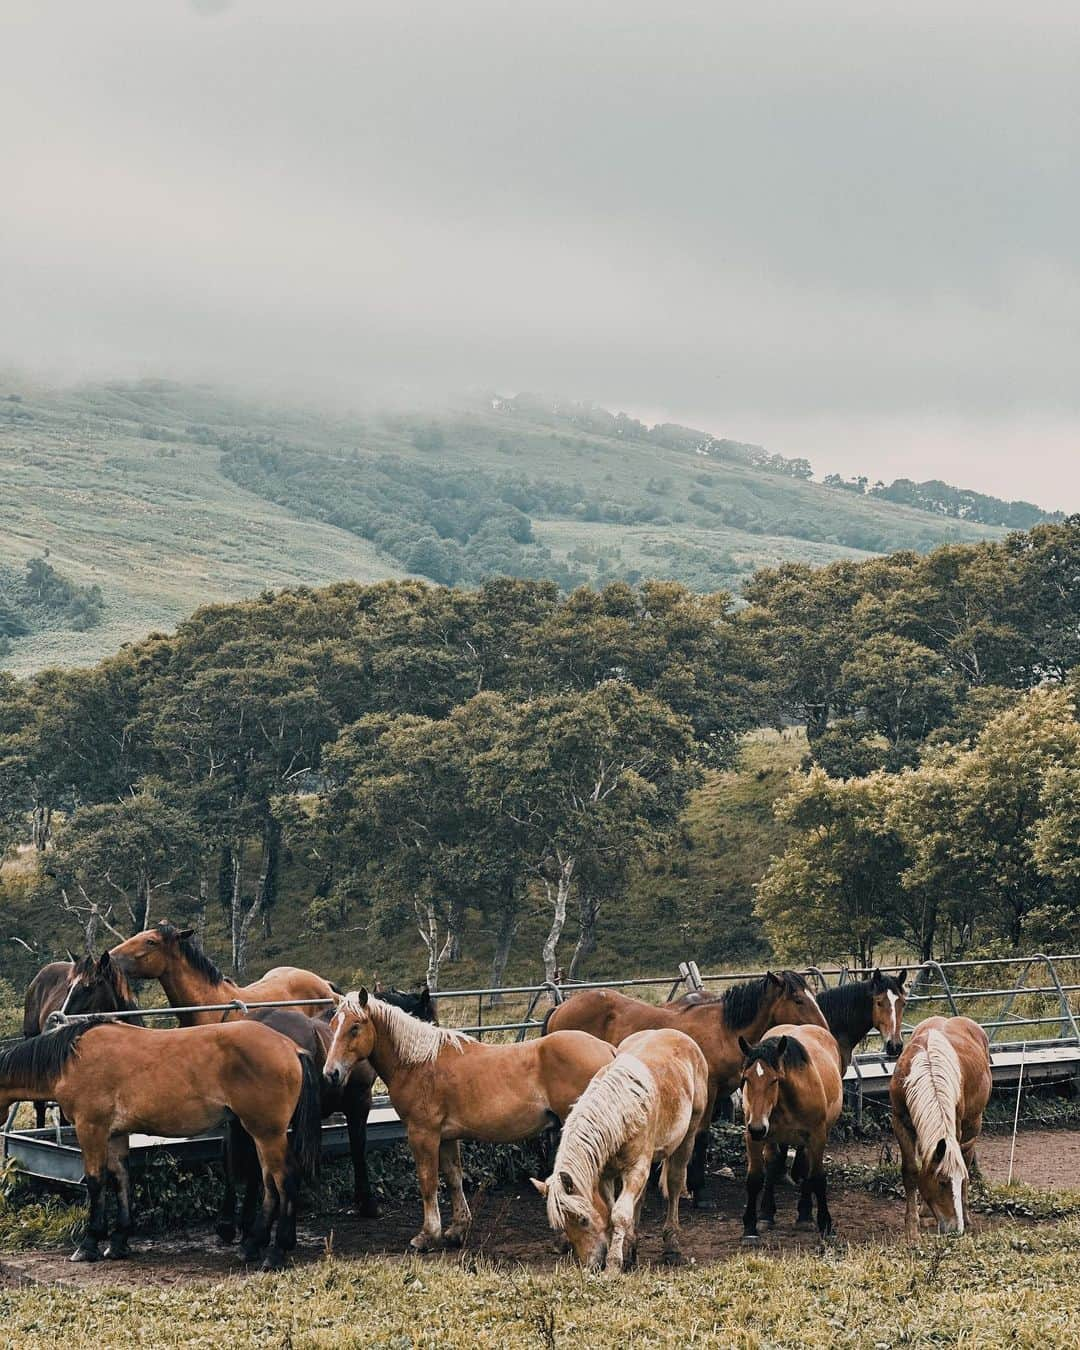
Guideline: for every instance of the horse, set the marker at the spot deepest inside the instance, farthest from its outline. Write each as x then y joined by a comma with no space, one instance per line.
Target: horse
792,1091
352,1099
647,1106
715,1024
112,1080
189,978
855,1009
938,1093
70,987
445,1087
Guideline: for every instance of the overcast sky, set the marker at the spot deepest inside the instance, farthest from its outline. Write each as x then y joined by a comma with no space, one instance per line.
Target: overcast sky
845,230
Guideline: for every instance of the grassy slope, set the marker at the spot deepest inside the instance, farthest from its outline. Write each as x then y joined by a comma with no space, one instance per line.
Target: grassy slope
161,530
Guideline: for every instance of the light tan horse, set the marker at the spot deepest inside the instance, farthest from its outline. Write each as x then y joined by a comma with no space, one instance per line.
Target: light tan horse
112,1080
792,1090
189,978
647,1106
445,1087
939,1091
749,1008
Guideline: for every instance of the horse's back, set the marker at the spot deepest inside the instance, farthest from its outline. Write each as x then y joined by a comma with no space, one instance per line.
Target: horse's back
677,1064
42,988
577,1048
824,1060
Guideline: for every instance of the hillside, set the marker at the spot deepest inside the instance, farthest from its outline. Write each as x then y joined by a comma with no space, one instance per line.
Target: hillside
167,496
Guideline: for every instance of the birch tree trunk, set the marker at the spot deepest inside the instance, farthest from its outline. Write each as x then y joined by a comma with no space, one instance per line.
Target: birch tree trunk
455,927
504,941
427,923
558,896
588,910
41,825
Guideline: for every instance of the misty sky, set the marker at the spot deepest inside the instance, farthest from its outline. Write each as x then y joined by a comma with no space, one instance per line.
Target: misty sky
845,230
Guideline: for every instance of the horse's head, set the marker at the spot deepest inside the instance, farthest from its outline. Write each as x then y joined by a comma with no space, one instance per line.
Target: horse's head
763,1070
791,1000
148,955
889,1000
943,1176
99,986
418,1003
353,1037
585,1217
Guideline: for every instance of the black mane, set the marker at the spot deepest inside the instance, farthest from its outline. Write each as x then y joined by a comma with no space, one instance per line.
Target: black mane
742,1002
848,1009
34,1064
768,1052
192,953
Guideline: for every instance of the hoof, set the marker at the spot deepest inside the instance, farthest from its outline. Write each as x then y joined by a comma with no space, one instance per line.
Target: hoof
750,1239
226,1233
247,1254
673,1259
452,1238
274,1259
116,1251
805,1226
424,1242
86,1254
768,1225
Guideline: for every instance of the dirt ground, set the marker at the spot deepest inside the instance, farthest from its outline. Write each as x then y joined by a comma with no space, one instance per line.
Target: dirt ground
511,1225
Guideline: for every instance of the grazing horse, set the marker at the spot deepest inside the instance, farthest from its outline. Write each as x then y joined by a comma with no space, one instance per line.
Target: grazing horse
854,1010
792,1095
446,1087
189,978
647,1106
82,986
352,1098
715,1024
939,1092
112,1080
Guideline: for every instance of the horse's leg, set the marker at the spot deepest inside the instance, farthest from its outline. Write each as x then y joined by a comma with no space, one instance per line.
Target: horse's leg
39,1114
800,1172
909,1170
272,1150
450,1165
226,1219
425,1151
117,1249
817,1181
356,1103
288,1185
623,1235
754,1181
775,1167
675,1174
695,1177
95,1151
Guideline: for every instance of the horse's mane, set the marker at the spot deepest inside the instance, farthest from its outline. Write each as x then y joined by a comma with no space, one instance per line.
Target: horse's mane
192,953
35,1063
612,1108
742,1002
414,1042
931,1091
848,1009
768,1052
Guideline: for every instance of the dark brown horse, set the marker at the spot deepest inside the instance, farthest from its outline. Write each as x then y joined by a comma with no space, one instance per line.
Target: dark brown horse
83,986
189,978
352,1098
749,1009
112,1080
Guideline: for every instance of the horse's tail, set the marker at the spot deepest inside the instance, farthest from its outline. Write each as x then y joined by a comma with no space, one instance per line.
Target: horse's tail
307,1120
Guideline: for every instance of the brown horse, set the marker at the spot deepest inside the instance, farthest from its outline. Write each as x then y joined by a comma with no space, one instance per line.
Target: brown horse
446,1087
189,978
112,1080
647,1106
749,1008
793,1094
939,1092
82,986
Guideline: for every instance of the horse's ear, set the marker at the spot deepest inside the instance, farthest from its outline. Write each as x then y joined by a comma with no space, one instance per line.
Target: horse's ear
772,978
184,934
425,997
104,961
362,996
901,977
744,1046
781,1046
567,1182
876,979
541,1186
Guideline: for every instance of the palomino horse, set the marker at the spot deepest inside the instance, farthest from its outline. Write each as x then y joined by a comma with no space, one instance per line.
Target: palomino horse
715,1024
939,1092
446,1087
855,1009
189,978
792,1095
352,1098
111,1080
647,1106
82,986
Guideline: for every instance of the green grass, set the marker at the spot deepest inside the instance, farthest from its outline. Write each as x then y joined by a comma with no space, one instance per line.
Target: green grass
1013,1286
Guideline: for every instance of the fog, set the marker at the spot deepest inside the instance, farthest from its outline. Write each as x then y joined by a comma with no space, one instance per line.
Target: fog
843,230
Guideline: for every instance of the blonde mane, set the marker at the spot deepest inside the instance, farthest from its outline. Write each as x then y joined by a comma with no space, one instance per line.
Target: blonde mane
613,1107
932,1091
414,1042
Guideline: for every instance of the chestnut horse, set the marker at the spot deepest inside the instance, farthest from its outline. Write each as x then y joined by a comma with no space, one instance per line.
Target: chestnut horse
715,1024
446,1087
939,1092
189,978
647,1106
111,1080
82,986
793,1094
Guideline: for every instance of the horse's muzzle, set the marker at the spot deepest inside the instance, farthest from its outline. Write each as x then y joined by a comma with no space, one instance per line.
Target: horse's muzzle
757,1131
893,1049
333,1077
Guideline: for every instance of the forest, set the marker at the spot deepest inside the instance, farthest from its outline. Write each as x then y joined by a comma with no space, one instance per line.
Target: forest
453,762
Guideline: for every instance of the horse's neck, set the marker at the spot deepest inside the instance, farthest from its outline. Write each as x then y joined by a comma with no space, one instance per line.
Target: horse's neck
757,1026
185,987
384,1058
